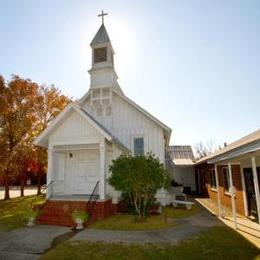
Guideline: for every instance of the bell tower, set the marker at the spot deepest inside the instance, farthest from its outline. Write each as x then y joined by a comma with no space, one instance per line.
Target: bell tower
103,77
102,72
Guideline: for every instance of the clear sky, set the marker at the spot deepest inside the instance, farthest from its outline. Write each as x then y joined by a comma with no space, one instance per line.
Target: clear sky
194,64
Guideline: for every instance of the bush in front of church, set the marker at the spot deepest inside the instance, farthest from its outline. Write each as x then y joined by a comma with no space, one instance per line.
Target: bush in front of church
139,177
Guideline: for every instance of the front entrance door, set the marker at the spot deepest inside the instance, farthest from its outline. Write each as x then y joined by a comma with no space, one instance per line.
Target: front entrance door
250,191
82,171
86,172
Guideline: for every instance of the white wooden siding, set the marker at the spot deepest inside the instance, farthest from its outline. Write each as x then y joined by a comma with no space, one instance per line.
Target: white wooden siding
75,130
126,122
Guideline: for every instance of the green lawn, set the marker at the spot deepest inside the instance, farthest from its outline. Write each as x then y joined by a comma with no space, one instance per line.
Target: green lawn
179,212
216,243
128,222
13,211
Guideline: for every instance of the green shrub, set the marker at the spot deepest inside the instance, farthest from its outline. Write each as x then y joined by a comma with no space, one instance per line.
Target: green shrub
139,178
80,214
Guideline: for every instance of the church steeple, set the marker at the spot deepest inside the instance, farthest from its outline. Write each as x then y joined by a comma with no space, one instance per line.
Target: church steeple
102,50
102,72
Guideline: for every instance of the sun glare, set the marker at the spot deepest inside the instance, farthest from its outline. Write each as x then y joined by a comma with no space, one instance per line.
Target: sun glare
123,42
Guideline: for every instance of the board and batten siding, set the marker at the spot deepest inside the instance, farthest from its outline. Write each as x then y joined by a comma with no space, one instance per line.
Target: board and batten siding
75,130
126,122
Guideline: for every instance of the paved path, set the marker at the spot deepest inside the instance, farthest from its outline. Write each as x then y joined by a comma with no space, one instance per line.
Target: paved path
31,243
15,191
28,243
188,228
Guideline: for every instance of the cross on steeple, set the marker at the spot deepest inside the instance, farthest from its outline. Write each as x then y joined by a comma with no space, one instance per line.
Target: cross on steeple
102,15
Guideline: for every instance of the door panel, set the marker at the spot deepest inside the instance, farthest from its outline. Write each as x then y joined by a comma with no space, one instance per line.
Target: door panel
87,172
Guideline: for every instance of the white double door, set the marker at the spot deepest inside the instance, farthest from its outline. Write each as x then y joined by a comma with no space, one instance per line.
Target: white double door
82,171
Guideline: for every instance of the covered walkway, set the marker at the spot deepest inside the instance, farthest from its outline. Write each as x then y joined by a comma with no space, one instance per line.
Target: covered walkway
247,228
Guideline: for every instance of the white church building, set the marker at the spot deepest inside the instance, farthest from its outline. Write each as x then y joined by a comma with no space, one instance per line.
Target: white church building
84,138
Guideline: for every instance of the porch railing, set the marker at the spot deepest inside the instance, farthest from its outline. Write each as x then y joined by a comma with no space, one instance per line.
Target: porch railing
92,200
47,187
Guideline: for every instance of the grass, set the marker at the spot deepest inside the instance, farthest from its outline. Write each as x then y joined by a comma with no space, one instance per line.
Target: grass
216,243
128,222
13,211
179,212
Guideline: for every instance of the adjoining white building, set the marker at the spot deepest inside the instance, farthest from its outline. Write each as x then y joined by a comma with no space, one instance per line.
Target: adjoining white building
183,172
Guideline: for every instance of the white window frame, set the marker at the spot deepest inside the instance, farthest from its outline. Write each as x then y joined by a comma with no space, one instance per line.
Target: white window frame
133,142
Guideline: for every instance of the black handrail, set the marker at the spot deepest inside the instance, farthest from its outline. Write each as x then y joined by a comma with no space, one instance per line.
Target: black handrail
42,189
47,186
92,201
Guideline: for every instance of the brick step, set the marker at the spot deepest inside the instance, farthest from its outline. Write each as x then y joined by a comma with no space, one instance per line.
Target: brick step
60,212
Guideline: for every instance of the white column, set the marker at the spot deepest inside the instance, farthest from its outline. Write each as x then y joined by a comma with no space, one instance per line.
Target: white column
232,195
244,190
49,191
256,185
102,177
218,189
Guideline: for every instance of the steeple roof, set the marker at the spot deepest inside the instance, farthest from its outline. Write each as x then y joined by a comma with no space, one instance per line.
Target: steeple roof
101,36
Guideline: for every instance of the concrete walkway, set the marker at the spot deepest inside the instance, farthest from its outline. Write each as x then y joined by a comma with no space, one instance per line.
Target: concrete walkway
28,243
188,228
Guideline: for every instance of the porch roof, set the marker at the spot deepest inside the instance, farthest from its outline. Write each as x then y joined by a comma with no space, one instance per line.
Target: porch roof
249,144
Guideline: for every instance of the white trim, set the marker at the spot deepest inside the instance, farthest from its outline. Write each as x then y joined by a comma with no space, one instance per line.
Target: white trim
256,187
233,202
102,180
55,122
218,191
244,190
239,151
50,171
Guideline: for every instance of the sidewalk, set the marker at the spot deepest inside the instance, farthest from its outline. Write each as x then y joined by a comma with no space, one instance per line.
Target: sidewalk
187,228
247,228
29,243
15,191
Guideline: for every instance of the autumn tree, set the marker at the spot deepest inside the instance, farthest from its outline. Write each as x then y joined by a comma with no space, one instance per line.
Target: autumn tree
17,99
25,110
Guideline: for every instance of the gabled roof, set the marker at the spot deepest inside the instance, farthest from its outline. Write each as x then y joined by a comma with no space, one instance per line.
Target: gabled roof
101,36
244,141
181,152
43,137
56,122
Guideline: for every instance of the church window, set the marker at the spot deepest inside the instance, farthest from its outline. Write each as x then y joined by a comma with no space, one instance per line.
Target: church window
138,146
100,54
